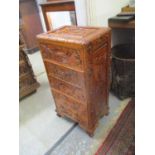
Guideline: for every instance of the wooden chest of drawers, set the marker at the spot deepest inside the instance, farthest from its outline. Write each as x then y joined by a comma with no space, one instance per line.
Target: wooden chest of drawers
77,61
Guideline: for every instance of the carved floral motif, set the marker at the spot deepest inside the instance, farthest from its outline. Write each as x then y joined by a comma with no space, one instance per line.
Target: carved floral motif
65,74
63,55
74,31
94,45
68,89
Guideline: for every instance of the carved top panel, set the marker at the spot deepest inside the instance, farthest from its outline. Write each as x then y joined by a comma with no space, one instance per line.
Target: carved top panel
77,32
74,34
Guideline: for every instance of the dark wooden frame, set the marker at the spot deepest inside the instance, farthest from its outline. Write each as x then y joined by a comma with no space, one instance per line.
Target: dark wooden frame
66,5
122,25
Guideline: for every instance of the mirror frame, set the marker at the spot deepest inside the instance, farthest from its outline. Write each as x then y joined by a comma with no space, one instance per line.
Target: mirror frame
65,5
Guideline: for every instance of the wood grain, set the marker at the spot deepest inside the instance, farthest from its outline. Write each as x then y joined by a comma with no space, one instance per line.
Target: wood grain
78,72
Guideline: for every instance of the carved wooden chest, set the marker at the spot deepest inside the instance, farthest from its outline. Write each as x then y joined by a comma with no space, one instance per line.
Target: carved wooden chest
27,81
77,62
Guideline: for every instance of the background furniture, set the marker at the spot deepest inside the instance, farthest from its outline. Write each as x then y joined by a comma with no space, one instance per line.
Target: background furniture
123,53
122,25
27,81
58,6
77,61
29,15
123,70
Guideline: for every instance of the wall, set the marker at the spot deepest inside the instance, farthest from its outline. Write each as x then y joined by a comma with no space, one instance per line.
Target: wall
60,18
81,13
80,6
98,11
111,8
40,13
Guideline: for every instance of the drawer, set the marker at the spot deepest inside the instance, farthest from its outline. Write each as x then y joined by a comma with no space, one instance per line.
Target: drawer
73,77
69,107
62,55
68,89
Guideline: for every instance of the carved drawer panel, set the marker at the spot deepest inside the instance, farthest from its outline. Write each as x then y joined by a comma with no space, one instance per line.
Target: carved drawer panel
66,106
68,89
68,75
63,55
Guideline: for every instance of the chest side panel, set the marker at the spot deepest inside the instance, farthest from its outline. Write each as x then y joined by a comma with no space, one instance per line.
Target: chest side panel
96,66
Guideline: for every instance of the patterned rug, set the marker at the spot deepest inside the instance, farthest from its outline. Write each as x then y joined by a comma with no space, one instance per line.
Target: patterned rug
121,139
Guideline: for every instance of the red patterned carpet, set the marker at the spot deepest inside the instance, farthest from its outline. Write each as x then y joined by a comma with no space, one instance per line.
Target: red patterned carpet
121,139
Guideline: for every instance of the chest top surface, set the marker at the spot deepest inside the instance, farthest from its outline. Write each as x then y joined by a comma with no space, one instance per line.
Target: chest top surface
74,34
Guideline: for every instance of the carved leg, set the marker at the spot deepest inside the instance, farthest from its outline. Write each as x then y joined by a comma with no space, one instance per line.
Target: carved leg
90,134
107,112
58,115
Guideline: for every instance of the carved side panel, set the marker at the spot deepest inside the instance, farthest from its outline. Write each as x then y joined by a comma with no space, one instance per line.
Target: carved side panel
98,43
63,55
96,83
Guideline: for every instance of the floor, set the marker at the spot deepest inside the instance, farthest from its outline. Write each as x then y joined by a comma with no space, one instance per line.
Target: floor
42,132
40,128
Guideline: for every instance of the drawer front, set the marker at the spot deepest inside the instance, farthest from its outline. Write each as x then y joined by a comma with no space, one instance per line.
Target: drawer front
70,76
69,107
68,89
62,55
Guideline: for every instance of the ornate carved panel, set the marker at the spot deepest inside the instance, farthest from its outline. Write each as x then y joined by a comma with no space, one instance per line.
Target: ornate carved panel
72,32
97,79
26,81
70,76
24,68
68,89
62,55
99,63
66,106
98,43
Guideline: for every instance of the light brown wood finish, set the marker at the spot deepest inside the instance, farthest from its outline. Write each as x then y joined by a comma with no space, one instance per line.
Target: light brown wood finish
51,6
77,61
